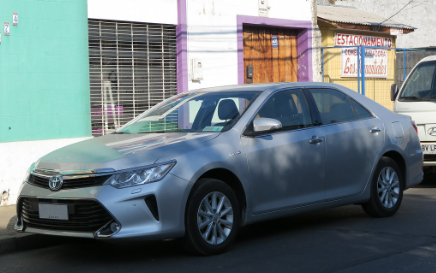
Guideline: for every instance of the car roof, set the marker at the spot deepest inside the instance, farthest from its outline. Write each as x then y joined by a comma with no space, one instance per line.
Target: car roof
265,86
376,108
428,58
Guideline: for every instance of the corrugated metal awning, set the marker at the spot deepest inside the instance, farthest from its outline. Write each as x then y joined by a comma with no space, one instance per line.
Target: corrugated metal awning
351,15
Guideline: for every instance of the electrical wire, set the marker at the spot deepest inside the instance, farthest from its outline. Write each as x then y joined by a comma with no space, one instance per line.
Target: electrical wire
425,1
396,13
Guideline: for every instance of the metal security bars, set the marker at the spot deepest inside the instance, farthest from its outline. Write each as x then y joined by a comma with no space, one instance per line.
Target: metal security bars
132,68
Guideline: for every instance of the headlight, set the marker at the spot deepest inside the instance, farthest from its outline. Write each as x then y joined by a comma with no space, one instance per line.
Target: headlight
140,176
27,176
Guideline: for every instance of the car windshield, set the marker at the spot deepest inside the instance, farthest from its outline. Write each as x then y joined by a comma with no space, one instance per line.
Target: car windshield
420,85
193,112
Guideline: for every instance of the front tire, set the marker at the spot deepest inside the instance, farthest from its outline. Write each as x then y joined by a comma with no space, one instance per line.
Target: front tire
386,189
212,217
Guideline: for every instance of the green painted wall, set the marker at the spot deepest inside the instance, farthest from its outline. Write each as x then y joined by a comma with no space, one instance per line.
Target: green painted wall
44,70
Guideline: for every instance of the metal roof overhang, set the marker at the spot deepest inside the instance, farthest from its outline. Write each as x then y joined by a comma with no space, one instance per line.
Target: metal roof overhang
350,18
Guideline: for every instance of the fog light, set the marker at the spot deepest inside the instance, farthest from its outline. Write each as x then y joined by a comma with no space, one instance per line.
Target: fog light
114,227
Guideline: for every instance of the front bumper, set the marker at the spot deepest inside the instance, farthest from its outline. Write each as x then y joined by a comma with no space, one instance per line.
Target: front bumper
130,207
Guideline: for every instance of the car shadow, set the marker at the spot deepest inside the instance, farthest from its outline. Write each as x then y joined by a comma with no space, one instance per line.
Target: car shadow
428,182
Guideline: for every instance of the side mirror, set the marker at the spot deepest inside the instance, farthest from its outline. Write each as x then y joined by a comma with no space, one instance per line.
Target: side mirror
394,91
263,125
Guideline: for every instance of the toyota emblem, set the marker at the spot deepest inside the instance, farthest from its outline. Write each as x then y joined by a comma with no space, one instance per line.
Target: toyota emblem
55,182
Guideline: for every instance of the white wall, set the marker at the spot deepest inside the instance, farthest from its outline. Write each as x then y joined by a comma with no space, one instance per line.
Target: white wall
149,11
212,34
16,158
419,14
316,45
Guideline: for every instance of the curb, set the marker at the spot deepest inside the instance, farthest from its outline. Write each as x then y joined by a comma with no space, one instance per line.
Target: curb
12,241
7,245
23,242
11,244
18,243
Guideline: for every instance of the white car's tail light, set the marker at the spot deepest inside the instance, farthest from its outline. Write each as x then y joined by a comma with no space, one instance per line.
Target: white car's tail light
414,125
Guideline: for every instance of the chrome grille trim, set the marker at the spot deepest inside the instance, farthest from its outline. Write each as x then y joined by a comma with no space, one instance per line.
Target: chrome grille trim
72,174
69,182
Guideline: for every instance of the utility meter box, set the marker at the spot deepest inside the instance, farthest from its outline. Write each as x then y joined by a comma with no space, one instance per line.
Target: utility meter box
197,70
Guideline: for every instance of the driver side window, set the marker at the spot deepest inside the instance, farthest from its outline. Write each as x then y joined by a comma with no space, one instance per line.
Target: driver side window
289,107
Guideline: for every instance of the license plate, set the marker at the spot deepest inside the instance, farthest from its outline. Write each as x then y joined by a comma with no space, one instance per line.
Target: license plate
53,211
429,148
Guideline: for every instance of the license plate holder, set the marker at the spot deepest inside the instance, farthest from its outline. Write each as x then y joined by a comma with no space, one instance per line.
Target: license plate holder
429,148
53,211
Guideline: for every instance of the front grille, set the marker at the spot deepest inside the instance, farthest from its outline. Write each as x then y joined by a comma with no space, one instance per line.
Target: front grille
429,157
70,183
83,215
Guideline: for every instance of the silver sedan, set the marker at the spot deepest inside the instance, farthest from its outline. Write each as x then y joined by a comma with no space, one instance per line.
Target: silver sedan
201,164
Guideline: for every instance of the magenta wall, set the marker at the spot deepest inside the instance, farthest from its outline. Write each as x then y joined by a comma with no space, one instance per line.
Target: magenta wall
304,43
182,47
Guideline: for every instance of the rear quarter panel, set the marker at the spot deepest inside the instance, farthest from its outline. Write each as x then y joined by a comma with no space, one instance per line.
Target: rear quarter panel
407,145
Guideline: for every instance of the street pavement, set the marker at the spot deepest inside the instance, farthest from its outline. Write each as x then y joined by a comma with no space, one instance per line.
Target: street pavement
342,239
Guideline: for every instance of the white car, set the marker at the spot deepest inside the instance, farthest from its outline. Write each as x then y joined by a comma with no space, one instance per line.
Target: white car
417,98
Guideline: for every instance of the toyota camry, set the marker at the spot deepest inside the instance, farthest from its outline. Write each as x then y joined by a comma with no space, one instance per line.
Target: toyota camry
201,164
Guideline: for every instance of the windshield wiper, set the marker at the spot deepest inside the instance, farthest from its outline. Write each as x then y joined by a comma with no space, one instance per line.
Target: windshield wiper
120,133
164,131
412,98
157,132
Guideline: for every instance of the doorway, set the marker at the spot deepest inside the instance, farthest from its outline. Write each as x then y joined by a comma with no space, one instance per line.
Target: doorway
270,54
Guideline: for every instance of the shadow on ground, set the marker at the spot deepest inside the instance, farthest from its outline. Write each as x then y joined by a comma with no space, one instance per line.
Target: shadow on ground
322,241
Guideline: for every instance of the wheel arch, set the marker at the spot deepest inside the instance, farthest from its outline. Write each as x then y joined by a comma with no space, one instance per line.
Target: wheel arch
233,182
399,159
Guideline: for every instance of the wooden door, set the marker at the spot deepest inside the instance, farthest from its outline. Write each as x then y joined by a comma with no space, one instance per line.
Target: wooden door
271,62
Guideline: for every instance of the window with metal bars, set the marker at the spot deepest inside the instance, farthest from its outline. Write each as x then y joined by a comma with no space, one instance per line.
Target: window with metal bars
132,67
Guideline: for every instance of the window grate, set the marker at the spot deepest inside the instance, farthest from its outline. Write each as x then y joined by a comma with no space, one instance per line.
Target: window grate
132,67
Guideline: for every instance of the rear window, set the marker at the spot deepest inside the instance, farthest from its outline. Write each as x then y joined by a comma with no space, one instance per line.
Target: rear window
361,112
333,105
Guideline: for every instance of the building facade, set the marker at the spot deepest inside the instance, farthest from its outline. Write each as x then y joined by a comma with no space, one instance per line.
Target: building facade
344,29
77,69
417,13
44,86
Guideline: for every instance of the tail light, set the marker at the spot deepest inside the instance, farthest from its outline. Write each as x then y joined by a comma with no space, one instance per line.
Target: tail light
414,125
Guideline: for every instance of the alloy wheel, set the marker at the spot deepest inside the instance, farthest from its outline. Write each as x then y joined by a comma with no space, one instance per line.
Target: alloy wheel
215,218
388,187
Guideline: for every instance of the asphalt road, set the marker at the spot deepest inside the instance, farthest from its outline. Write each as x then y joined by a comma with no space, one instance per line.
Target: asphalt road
342,239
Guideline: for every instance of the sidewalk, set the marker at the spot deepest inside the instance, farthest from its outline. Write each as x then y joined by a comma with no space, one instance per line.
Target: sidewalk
8,236
7,220
10,240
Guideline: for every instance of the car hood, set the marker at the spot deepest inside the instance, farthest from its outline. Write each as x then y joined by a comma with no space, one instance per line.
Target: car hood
119,151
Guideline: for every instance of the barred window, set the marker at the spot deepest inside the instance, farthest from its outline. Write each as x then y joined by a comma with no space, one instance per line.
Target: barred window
132,68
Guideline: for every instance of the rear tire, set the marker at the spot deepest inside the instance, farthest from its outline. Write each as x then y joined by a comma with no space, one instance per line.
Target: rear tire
212,218
386,189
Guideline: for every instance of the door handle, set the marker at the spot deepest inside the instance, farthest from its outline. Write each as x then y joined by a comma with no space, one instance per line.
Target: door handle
315,140
375,130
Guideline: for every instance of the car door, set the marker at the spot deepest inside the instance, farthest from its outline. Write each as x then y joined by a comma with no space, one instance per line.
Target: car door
285,168
353,139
